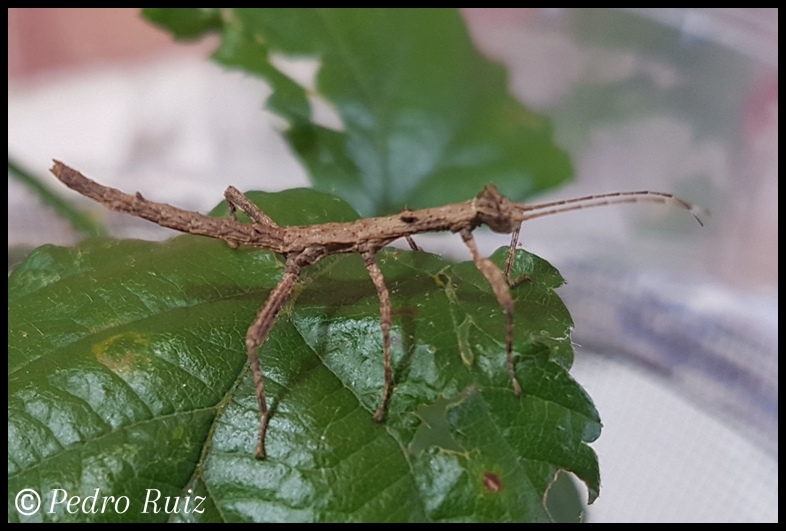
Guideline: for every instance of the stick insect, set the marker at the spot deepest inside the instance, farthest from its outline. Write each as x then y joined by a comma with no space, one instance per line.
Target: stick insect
306,245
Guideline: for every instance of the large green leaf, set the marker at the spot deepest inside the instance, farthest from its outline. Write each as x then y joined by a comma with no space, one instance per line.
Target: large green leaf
127,372
426,119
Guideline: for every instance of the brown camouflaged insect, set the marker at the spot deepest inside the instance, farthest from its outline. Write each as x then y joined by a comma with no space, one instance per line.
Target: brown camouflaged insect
304,246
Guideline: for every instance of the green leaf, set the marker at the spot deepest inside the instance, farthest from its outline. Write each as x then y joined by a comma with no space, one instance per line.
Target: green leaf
127,373
186,24
427,120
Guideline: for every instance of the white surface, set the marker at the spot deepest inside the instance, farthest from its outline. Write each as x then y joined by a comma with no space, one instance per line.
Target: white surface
665,460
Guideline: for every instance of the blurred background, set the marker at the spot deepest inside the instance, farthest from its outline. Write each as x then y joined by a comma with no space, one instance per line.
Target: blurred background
676,325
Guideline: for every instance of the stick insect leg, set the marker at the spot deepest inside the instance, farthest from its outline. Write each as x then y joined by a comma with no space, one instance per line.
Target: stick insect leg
499,285
385,323
259,329
257,333
412,245
237,199
514,241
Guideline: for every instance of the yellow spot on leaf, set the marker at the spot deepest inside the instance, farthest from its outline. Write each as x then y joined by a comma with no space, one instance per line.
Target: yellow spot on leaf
122,353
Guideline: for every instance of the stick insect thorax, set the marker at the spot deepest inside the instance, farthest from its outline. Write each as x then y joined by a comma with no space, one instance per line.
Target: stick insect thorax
305,245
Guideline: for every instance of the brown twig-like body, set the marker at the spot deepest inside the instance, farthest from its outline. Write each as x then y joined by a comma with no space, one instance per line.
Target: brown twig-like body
303,246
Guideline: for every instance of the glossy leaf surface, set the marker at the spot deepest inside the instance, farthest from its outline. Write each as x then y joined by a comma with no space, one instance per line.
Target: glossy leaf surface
128,374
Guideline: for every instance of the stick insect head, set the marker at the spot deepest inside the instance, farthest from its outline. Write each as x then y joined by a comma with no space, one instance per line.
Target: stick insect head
495,210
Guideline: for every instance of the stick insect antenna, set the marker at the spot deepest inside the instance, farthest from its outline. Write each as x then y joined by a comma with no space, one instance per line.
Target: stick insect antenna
526,212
